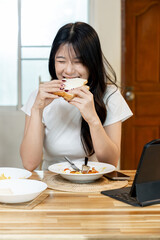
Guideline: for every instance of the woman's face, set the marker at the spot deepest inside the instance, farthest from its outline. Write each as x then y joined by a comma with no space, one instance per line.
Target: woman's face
68,64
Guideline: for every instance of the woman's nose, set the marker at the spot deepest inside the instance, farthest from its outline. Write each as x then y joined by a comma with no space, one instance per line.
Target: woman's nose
69,68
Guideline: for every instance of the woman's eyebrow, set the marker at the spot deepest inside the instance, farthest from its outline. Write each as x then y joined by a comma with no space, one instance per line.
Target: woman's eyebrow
77,57
60,57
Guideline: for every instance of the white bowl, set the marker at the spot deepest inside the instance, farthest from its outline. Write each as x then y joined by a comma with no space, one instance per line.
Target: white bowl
102,168
20,190
14,172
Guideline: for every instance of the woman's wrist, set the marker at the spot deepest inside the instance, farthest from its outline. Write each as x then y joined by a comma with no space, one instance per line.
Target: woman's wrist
94,122
36,111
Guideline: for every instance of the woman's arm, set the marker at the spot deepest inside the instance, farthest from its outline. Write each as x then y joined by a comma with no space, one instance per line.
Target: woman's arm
32,145
106,140
31,148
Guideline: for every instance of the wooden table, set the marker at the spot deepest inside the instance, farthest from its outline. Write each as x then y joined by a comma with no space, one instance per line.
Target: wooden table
66,215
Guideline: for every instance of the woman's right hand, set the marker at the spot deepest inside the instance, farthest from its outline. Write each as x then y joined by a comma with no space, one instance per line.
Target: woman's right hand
46,93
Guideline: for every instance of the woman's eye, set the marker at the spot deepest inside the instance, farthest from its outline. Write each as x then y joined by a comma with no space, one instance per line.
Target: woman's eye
77,61
61,61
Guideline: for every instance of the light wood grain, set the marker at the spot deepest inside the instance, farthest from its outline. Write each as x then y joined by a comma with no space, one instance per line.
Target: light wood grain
68,215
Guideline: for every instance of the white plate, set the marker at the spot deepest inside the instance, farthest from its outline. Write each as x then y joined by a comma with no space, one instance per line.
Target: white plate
20,190
102,168
15,172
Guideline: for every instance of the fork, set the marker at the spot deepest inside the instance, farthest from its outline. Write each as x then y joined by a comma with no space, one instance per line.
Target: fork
72,164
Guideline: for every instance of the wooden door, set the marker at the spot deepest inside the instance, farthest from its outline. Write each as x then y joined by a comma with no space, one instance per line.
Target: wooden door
140,76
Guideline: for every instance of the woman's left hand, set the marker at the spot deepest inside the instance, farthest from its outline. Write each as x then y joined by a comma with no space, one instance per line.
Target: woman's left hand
85,103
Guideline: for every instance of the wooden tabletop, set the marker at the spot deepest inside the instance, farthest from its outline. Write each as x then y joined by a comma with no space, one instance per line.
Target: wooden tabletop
66,215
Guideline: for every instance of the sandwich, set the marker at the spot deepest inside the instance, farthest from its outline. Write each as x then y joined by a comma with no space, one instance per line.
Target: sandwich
70,84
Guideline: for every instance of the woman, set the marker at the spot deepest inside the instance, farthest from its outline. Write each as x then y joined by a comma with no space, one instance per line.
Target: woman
90,122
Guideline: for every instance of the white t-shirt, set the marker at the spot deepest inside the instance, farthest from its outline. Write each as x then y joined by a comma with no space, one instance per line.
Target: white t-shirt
63,125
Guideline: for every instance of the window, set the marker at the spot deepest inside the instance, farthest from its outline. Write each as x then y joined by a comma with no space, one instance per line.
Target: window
8,52
24,53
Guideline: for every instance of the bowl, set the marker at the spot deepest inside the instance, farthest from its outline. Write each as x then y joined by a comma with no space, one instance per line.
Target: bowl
102,169
20,190
14,173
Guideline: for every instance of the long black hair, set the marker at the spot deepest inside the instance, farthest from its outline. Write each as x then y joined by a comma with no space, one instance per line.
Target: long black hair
85,42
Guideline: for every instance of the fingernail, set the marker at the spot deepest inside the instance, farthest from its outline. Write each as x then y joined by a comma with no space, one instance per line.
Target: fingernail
61,88
63,80
62,85
66,90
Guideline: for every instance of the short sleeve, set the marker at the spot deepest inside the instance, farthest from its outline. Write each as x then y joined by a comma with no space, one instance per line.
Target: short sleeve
117,108
27,107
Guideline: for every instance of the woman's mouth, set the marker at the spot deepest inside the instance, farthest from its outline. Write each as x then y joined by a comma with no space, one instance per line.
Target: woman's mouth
71,77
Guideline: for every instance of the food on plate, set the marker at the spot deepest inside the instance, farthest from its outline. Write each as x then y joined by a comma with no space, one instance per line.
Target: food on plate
93,170
70,84
2,177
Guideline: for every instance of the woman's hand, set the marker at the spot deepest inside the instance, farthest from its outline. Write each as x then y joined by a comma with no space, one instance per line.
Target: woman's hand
85,103
46,93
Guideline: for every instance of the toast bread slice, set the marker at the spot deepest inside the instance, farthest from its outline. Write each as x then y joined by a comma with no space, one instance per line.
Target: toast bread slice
69,85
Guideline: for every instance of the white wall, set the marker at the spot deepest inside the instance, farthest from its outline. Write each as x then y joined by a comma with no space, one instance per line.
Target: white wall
11,132
106,21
